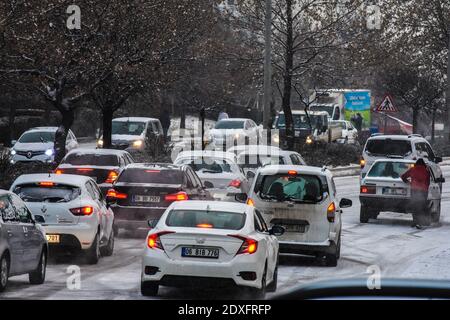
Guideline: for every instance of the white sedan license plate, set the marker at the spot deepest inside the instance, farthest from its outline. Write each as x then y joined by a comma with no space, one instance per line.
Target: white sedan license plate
394,191
147,199
53,238
200,252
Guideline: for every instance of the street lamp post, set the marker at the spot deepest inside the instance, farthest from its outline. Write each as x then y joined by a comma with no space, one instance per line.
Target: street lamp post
267,65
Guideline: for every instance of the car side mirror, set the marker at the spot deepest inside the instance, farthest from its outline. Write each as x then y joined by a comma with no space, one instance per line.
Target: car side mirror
345,203
438,159
110,200
208,185
152,223
277,230
250,175
440,180
241,197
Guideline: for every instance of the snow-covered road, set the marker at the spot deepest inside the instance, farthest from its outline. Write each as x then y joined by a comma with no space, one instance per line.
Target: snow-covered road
389,243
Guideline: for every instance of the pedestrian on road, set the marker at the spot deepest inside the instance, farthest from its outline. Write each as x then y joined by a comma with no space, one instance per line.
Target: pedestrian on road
419,178
165,121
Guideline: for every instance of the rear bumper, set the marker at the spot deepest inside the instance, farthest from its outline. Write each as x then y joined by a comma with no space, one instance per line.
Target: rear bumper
132,218
79,236
210,273
386,204
312,248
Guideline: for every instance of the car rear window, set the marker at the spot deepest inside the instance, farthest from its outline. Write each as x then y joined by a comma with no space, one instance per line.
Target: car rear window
284,187
206,219
389,169
388,147
164,176
91,159
208,165
56,193
230,124
246,160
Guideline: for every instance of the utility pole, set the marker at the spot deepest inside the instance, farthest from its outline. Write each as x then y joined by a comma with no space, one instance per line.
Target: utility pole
447,94
267,66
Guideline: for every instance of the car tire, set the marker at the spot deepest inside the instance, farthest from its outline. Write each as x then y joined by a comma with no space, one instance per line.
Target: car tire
331,259
272,287
4,272
38,275
149,288
116,231
436,215
260,294
108,250
364,214
93,253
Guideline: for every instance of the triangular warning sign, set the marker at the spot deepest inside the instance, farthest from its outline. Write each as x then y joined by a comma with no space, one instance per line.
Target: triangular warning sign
387,105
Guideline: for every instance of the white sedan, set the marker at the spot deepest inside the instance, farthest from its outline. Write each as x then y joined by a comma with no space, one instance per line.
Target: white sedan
72,211
207,243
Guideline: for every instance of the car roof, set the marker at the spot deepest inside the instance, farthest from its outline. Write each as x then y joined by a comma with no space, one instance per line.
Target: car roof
273,152
210,205
67,179
275,169
153,166
135,119
234,119
98,151
395,160
207,153
396,137
242,147
314,113
48,129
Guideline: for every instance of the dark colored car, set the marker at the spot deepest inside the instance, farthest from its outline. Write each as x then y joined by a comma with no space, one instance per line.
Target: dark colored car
144,191
23,246
103,165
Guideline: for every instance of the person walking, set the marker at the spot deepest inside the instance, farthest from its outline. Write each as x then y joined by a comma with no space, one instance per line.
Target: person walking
418,177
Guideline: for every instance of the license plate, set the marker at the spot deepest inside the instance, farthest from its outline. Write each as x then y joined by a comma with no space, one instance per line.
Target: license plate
394,191
53,238
147,199
200,252
295,228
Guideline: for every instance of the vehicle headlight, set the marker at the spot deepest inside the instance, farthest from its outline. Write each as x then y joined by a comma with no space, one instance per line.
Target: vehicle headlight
100,142
276,138
49,152
236,136
138,143
309,140
13,152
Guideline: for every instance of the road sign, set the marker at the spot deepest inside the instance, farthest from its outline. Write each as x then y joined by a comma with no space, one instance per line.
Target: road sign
387,105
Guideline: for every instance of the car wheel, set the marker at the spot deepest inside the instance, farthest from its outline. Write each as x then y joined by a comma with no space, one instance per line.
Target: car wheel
436,215
364,214
272,287
93,253
4,272
116,231
38,276
331,259
338,248
108,250
149,288
261,293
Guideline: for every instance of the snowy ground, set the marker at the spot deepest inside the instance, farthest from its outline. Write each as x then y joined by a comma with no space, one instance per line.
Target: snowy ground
390,243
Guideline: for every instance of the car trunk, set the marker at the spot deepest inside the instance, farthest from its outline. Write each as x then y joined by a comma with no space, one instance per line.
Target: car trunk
391,187
54,213
99,174
218,180
146,195
197,238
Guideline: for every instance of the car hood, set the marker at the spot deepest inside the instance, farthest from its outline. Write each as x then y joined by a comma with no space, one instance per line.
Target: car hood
39,146
225,132
125,137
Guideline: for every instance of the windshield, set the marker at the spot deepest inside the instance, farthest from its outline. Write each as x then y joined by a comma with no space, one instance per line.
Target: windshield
300,121
327,109
206,219
152,176
208,165
91,159
388,147
389,169
58,193
284,187
128,128
230,124
37,137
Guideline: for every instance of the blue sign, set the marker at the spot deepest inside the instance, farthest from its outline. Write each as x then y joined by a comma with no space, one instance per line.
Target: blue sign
357,101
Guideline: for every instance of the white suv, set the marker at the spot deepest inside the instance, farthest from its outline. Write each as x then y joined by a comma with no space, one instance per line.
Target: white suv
410,147
303,200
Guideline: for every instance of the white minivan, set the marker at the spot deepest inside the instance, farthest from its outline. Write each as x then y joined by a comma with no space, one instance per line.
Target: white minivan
303,200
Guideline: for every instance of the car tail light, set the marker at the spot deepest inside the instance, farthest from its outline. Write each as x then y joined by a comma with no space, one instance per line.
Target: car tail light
331,212
292,172
154,241
83,211
368,189
180,196
250,202
116,195
85,170
362,163
59,171
46,184
112,177
205,225
236,183
248,245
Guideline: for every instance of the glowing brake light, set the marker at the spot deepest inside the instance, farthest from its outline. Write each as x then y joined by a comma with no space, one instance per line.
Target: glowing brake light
154,241
250,202
248,246
331,212
85,169
46,184
112,177
83,211
362,163
236,183
59,171
180,196
116,195
292,172
205,225
152,171
368,189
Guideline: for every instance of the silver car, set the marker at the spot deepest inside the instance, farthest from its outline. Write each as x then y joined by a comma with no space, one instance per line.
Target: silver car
23,246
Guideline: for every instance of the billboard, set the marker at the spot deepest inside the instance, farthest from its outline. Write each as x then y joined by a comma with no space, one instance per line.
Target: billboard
358,102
